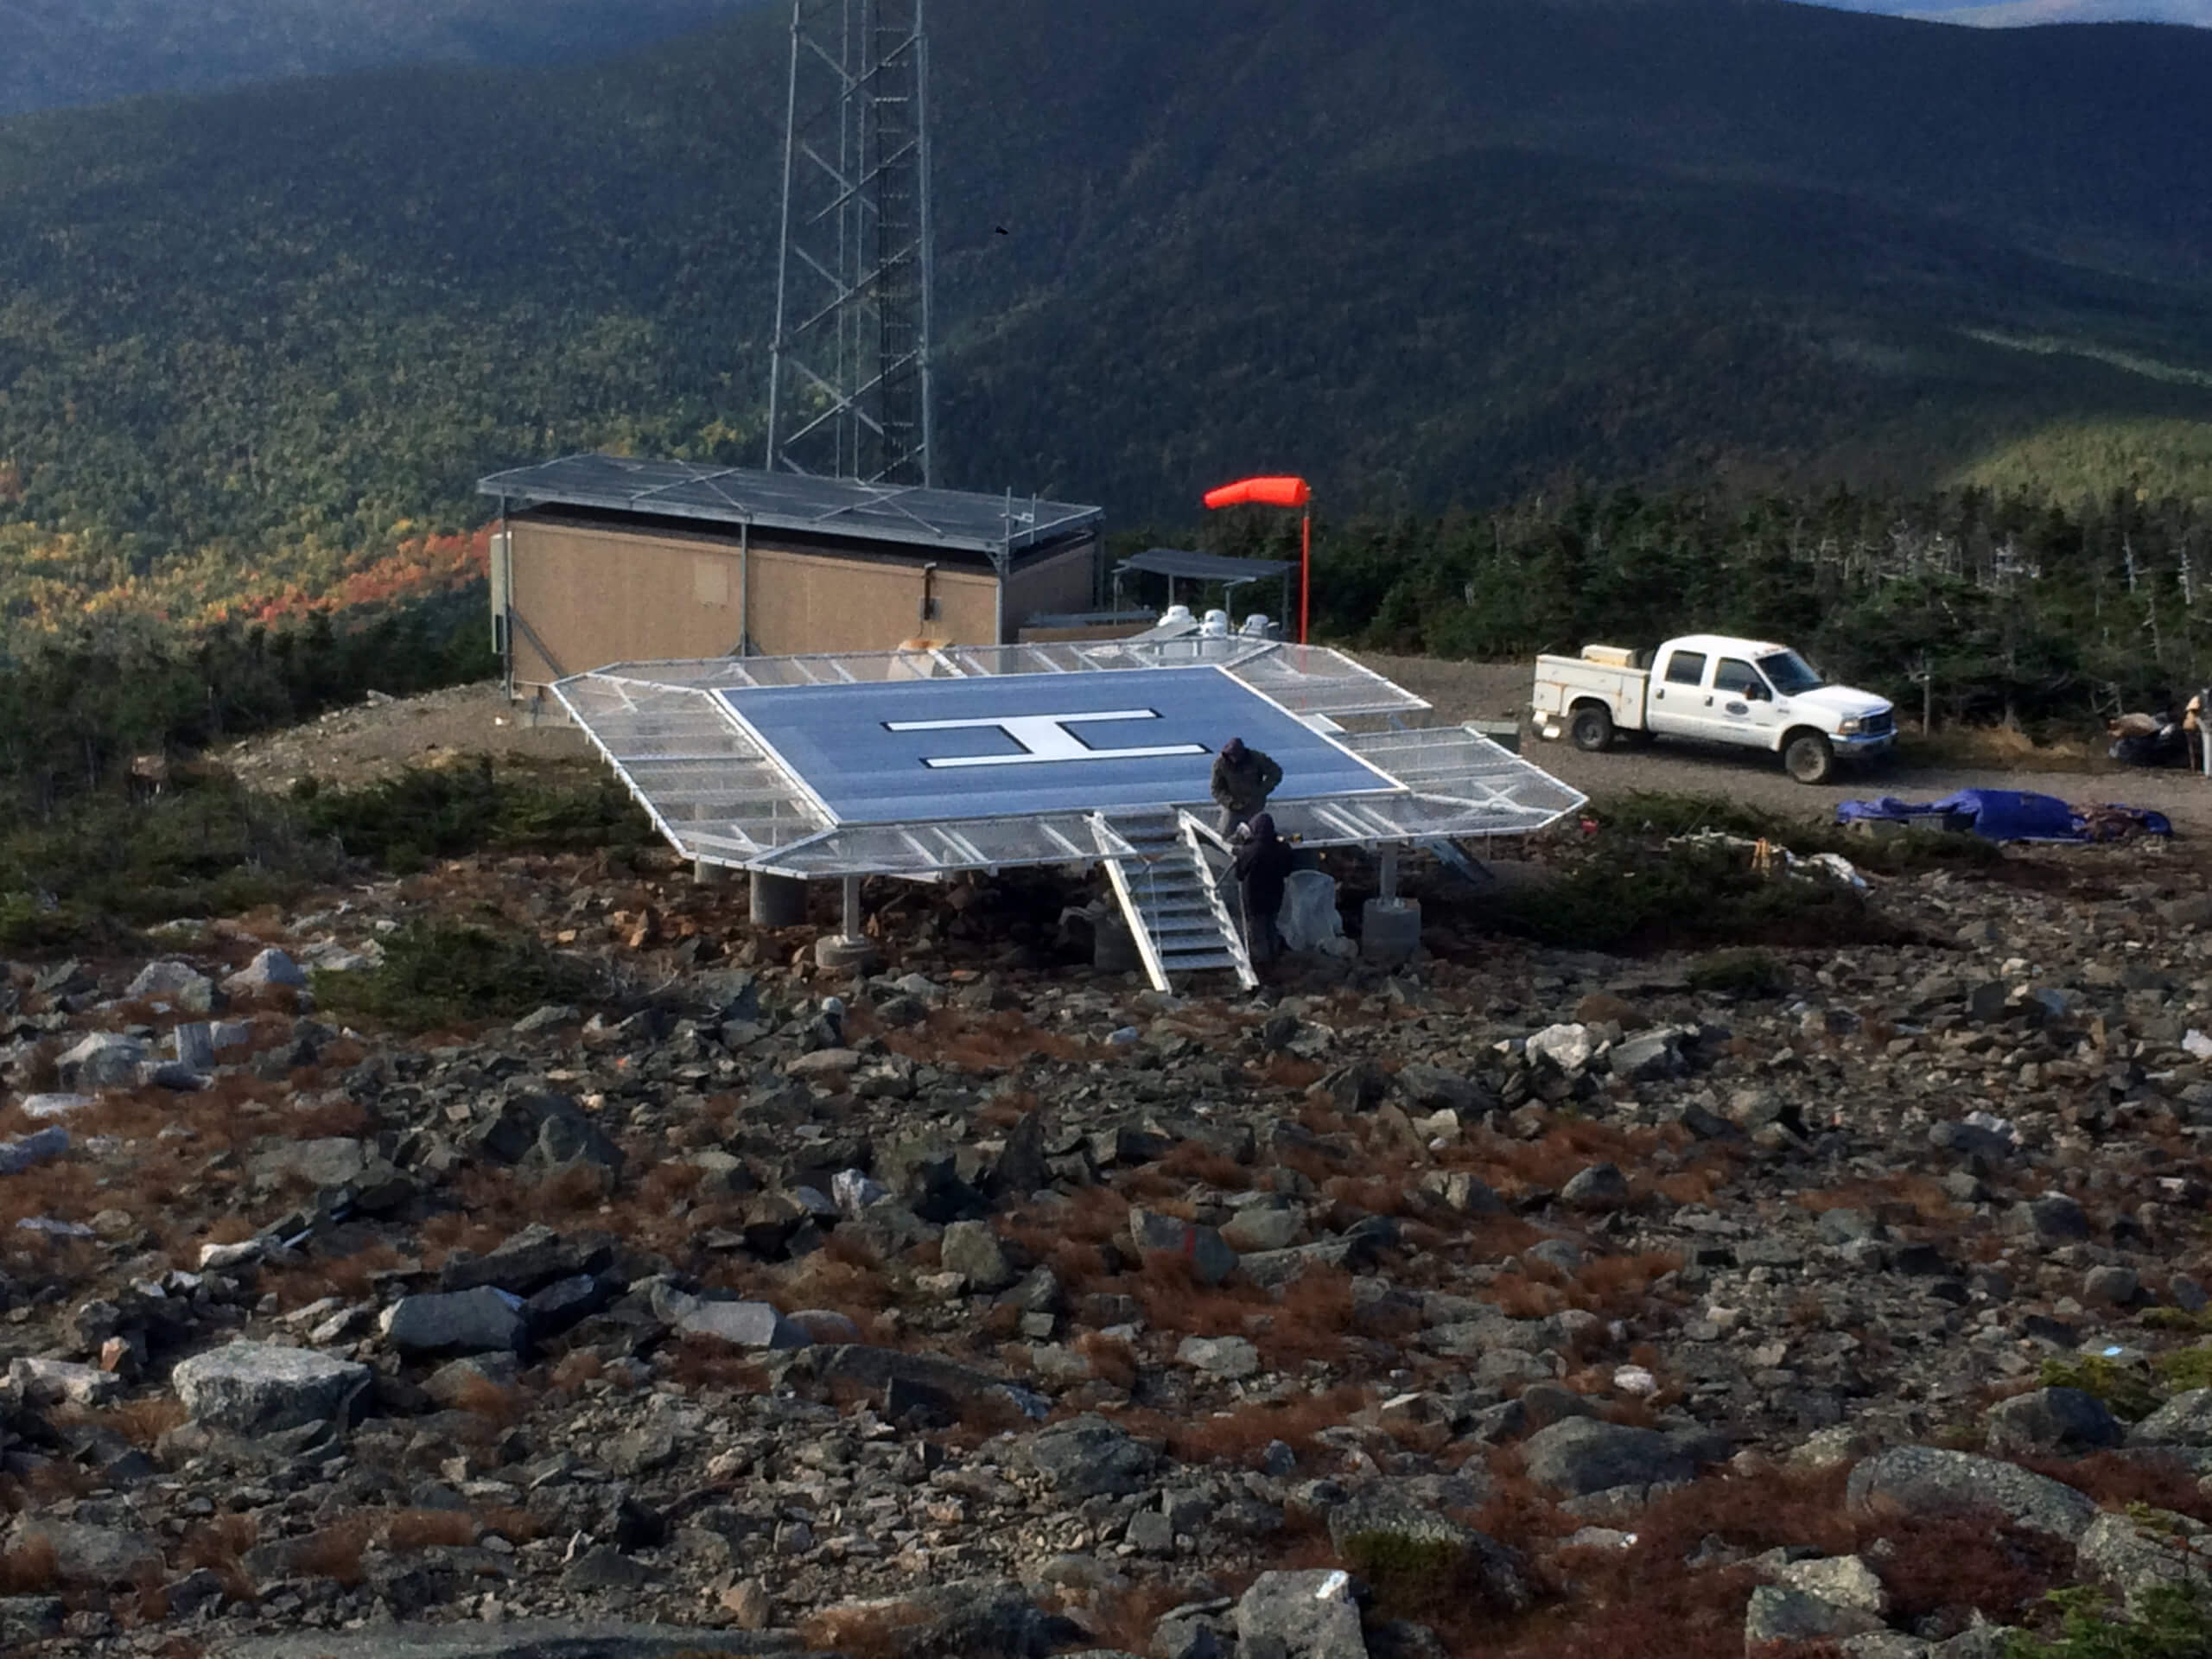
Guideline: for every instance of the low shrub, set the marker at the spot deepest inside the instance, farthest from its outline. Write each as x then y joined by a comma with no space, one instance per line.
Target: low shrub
1740,973
436,974
2126,1392
447,812
1617,895
2169,1623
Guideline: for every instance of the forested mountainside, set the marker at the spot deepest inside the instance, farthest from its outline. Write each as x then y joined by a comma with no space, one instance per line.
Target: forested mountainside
63,52
1447,254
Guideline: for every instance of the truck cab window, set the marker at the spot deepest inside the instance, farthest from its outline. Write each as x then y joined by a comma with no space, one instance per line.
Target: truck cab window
1685,668
1791,674
1735,674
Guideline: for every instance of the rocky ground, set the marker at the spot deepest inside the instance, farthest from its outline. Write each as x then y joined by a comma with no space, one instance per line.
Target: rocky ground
1515,1301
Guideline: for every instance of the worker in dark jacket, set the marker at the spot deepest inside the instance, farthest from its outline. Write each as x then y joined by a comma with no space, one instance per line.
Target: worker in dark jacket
1243,779
1261,867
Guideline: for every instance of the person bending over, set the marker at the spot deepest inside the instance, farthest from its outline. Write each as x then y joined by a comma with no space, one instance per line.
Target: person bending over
1243,779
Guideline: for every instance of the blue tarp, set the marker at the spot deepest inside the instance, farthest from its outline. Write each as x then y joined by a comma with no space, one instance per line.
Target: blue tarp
2011,815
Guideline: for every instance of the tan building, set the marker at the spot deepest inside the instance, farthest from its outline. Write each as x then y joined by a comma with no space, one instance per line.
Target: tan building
603,559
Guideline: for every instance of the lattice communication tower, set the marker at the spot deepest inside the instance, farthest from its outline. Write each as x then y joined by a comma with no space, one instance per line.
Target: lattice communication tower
850,392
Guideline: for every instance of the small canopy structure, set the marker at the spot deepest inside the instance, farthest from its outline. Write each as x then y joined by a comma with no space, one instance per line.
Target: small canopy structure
1177,564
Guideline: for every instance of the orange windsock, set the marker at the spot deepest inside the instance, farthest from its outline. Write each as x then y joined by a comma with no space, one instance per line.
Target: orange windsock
1261,492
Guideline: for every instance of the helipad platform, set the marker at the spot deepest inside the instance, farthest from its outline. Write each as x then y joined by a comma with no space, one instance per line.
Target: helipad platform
922,762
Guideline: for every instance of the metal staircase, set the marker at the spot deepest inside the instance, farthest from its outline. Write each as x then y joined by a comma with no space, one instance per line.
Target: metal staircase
1169,883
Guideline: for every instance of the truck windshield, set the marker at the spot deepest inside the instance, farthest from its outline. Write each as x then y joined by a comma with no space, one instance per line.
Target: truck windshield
1789,674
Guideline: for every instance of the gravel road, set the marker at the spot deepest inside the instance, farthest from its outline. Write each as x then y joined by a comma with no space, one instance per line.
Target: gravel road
1500,690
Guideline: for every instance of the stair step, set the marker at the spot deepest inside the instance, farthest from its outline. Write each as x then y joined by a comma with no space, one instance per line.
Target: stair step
1196,961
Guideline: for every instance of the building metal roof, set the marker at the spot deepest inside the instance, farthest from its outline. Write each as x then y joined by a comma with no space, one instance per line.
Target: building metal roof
952,519
1203,567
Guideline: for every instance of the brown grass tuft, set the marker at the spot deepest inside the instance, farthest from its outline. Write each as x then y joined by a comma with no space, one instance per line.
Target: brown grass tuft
28,1568
871,1630
334,1550
1238,1436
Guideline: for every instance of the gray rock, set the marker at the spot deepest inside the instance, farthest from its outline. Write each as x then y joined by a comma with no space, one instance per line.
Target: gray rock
1398,1543
255,1388
1845,1580
2052,1420
971,1248
1259,1227
1599,1187
332,1161
25,1619
1088,1457
2057,1219
1308,1615
1641,1059
1431,1089
103,1060
2110,1286
271,967
1780,1616
1885,1644
1229,1356
2140,1551
526,1639
445,1323
88,1555
741,1324
59,1382
2185,1419
28,1151
1210,1260
1583,1455
178,983
605,1567
1928,1478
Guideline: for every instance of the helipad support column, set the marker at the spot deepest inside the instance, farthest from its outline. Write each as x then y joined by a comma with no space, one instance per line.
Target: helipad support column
851,951
704,874
1389,927
777,901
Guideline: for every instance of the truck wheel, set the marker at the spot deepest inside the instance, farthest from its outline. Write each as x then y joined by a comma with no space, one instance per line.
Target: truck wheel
1809,758
1593,728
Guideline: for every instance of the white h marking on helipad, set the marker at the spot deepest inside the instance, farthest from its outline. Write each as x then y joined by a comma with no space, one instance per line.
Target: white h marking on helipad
1044,738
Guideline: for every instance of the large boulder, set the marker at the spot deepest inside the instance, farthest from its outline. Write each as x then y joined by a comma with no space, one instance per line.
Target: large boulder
1088,1457
1413,1553
973,1251
106,1059
2052,1420
1780,1617
1582,1455
1918,1478
259,1387
268,968
177,983
1308,1615
741,1324
2185,1419
445,1323
2145,1550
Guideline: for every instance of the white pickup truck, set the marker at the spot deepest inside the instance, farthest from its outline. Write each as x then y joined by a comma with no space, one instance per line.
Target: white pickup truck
1712,689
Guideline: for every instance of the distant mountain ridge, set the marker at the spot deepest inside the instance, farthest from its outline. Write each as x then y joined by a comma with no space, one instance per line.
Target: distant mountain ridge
2024,13
1451,250
68,52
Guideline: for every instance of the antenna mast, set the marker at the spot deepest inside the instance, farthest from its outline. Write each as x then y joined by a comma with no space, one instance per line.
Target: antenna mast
849,394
